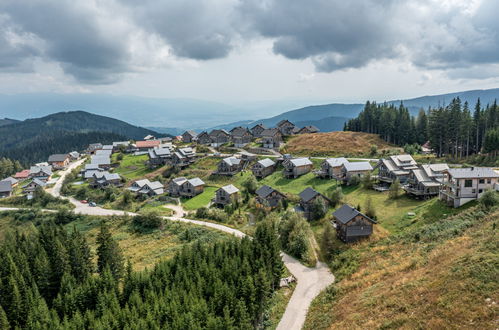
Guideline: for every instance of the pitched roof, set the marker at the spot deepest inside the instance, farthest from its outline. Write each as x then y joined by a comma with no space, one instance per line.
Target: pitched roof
357,166
265,191
473,172
11,180
180,180
22,174
310,128
230,189
336,162
103,152
346,213
5,186
259,125
267,162
308,194
154,185
44,169
270,132
191,133
39,182
301,161
232,161
196,182
58,157
121,143
100,159
239,131
147,144
284,121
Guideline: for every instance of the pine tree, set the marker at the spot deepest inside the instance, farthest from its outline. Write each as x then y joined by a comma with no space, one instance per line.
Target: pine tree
109,253
394,191
4,322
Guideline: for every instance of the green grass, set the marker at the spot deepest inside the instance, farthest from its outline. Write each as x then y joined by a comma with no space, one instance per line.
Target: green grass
200,200
133,167
295,186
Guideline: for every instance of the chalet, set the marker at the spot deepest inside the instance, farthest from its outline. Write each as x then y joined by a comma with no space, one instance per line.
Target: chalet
147,188
189,136
203,138
395,167
5,189
88,171
102,161
257,130
240,136
331,168
13,182
271,138
93,147
267,196
229,166
74,155
146,144
219,137
32,186
42,173
425,181
192,187
308,130
351,169
105,179
24,174
58,161
121,146
226,195
352,225
286,127
263,168
246,156
308,197
183,157
462,185
296,167
159,156
175,186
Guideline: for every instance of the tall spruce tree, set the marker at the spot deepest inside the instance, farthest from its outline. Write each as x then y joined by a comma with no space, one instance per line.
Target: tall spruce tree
109,254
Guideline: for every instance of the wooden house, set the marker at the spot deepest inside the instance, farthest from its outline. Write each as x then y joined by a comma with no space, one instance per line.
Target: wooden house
308,198
159,156
103,161
257,130
229,166
183,157
175,185
147,188
13,181
351,169
5,189
296,167
226,195
267,196
32,186
189,136
203,138
395,167
144,146
121,146
42,173
263,168
331,168
308,130
219,137
352,225
271,138
424,182
74,155
463,185
92,147
286,127
240,136
58,161
105,179
192,187
24,174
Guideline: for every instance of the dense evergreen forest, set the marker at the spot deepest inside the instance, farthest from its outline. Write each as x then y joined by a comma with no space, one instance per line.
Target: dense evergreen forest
48,281
9,167
454,130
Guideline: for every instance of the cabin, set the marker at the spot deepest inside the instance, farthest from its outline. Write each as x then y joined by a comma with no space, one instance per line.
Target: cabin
226,195
144,146
5,189
352,225
308,130
92,147
395,167
189,136
102,161
267,196
42,173
286,127
308,197
263,168
240,136
183,157
13,181
58,161
74,155
331,168
32,186
229,166
425,181
257,130
246,156
219,137
271,138
124,146
192,187
463,185
354,169
159,156
175,185
147,188
105,179
203,138
296,167
24,174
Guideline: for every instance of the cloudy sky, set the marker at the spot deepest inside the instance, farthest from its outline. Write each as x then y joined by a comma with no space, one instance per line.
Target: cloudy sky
247,50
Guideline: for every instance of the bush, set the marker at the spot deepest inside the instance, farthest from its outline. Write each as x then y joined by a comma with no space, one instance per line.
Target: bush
394,191
250,184
367,181
489,199
149,220
336,196
294,233
354,180
319,208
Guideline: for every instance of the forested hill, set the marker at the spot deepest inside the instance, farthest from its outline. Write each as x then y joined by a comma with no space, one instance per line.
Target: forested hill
34,140
7,121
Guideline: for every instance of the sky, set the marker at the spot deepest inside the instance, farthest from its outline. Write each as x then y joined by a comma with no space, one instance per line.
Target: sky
243,51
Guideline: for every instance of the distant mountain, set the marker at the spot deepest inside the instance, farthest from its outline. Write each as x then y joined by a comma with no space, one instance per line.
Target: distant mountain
7,121
329,124
35,139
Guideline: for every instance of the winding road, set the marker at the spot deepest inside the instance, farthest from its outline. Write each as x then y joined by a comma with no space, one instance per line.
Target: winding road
310,281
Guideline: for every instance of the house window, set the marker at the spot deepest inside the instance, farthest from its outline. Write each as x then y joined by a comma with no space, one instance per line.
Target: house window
480,191
468,183
481,181
489,181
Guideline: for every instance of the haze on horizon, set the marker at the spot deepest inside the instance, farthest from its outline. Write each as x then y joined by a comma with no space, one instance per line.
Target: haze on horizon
236,51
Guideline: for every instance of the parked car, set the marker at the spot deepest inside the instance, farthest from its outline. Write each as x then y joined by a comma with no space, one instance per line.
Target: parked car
92,204
83,201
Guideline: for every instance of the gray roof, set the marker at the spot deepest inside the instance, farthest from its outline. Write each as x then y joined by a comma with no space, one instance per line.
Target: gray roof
11,180
46,169
346,213
155,185
230,189
121,143
267,162
196,182
39,182
179,180
357,166
107,147
74,154
191,133
5,186
232,161
58,157
259,125
92,167
434,170
100,160
335,162
239,131
264,191
311,128
301,161
473,172
307,194
270,132
103,152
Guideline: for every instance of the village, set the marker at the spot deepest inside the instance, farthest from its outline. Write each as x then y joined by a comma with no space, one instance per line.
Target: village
243,169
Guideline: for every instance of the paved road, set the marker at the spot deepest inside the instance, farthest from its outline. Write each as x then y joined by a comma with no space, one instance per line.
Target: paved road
310,281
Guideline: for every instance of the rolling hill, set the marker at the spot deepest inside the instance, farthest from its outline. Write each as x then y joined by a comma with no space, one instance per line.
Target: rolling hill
7,121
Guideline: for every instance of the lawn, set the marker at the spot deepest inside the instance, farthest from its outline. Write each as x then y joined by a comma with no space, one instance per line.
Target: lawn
200,200
295,186
133,167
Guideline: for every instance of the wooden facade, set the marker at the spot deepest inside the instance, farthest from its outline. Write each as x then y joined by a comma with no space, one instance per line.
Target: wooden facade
263,168
351,225
296,167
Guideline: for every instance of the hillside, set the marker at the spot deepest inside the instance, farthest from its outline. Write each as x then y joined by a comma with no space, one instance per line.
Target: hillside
334,144
7,121
439,274
35,139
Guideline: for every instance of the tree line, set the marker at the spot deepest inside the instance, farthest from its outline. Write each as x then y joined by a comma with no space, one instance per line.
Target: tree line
49,281
9,167
454,130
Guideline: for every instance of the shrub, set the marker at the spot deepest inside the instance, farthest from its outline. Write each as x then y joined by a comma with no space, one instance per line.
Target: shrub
367,181
394,191
336,196
354,180
149,220
489,199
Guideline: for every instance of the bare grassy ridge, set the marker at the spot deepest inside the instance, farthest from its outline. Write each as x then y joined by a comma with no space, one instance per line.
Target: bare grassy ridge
335,144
